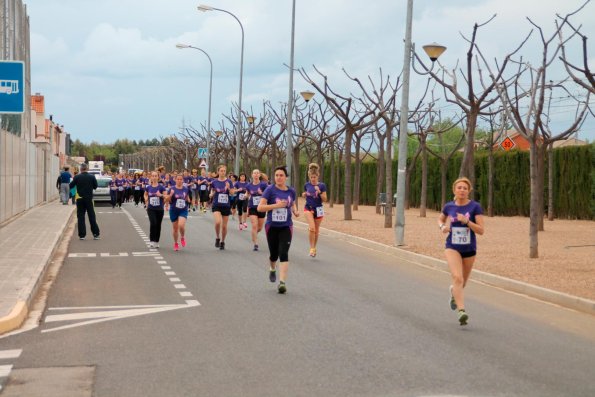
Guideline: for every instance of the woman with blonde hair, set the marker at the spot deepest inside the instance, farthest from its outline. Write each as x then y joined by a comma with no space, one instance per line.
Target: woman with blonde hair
315,195
461,219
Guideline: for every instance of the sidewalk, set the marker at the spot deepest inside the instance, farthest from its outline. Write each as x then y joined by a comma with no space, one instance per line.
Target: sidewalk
26,248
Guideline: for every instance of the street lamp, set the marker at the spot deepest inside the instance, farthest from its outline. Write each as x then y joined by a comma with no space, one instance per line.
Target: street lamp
433,51
205,8
250,119
182,46
307,95
218,134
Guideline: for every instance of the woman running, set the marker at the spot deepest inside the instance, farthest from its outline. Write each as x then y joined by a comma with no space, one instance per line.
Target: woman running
315,195
121,186
113,191
462,219
194,188
233,197
242,201
279,226
154,197
137,183
255,190
221,190
179,198
203,189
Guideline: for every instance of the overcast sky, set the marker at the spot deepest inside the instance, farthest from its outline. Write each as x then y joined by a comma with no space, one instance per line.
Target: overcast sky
109,69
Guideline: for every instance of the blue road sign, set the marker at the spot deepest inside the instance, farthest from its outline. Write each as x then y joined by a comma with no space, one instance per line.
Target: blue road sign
12,87
202,152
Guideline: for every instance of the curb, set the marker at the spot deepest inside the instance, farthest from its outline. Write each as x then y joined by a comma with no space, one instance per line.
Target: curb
547,295
20,310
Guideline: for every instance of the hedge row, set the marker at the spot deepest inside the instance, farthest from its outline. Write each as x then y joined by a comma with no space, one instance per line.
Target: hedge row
574,182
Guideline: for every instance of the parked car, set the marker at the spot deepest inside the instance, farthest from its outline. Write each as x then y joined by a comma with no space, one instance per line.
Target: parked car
102,191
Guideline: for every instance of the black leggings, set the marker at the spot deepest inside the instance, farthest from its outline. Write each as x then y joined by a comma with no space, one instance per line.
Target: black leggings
155,218
242,207
279,240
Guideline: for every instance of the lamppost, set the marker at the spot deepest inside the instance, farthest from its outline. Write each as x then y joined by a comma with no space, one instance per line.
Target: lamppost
402,160
218,134
205,8
186,142
307,95
182,46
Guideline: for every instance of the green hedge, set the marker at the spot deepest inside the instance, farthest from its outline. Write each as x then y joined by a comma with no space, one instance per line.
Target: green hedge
574,182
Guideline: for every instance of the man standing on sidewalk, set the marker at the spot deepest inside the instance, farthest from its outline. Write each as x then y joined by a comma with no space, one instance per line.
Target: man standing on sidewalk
85,183
64,187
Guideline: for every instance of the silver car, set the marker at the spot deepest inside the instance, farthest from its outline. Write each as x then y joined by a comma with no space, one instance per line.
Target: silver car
102,192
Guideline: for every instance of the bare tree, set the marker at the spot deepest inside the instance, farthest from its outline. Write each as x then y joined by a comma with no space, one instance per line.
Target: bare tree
525,107
474,100
351,121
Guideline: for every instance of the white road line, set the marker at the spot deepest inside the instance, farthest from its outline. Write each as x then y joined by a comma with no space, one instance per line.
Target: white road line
163,263
82,255
5,370
5,354
166,267
159,258
175,279
179,286
170,273
108,255
185,293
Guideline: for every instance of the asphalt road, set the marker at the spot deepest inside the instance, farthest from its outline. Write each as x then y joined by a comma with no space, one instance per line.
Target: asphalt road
122,320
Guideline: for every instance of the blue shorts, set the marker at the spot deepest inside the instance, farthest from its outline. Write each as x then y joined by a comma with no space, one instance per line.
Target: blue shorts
175,214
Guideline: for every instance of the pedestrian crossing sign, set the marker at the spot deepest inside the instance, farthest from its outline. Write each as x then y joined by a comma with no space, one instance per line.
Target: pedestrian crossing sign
203,163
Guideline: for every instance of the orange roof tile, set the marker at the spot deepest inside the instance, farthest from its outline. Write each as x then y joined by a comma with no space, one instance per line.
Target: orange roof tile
37,103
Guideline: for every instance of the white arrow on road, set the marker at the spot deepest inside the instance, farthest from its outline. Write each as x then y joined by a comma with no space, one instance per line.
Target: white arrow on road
108,313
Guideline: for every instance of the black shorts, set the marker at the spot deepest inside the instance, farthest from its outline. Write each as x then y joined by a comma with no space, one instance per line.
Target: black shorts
308,208
204,196
468,254
253,212
225,211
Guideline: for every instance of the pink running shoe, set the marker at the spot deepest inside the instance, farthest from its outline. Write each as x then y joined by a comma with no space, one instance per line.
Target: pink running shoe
245,225
176,247
183,241
241,227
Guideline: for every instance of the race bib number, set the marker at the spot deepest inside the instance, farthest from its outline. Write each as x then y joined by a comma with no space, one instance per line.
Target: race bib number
193,187
203,187
121,188
154,201
223,198
137,188
279,215
319,212
180,204
256,200
242,196
461,235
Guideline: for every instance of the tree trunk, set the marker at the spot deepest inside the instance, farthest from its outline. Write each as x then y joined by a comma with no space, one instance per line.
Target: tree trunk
358,172
380,171
348,187
332,186
296,178
534,200
424,178
541,149
550,183
338,175
491,182
388,214
468,163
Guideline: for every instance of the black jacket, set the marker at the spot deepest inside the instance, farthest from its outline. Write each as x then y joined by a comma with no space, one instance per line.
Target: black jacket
85,184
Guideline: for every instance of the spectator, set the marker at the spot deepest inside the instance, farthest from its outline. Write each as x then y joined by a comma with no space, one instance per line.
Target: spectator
85,183
64,179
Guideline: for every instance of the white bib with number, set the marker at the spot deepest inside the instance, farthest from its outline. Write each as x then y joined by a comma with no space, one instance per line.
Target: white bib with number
181,204
137,188
461,235
242,196
223,198
319,212
203,187
121,188
154,201
256,200
279,215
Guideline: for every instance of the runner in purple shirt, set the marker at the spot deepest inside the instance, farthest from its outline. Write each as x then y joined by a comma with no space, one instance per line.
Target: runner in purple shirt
242,200
154,197
462,219
255,190
221,190
179,198
315,194
202,183
279,201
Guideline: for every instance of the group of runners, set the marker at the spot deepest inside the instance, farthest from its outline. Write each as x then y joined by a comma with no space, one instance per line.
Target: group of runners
265,204
272,204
